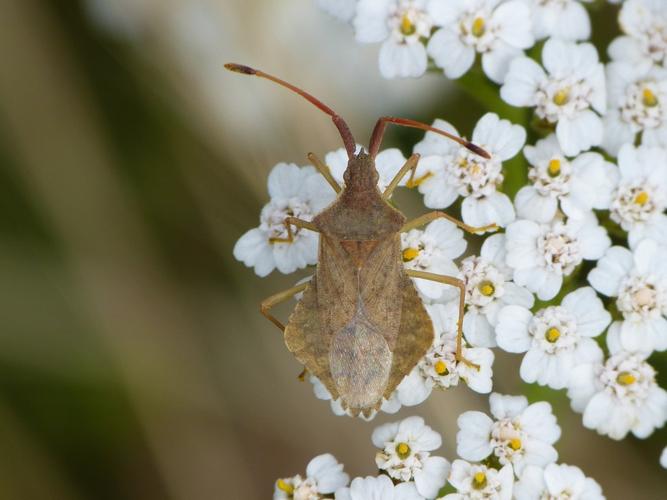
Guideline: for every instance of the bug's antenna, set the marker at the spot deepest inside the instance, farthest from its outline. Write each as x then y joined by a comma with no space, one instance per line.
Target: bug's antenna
345,133
381,125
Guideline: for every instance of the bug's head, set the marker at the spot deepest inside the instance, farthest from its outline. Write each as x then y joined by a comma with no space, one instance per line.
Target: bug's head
361,174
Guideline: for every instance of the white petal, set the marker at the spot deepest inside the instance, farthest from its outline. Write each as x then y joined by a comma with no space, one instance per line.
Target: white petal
515,24
432,477
493,209
477,330
611,269
473,439
530,204
522,81
496,63
506,406
512,329
254,250
413,389
402,60
449,53
587,308
579,133
501,137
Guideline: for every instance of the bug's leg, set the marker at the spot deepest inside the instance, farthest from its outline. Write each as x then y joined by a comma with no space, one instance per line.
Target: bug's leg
410,165
275,299
323,169
436,214
294,221
460,284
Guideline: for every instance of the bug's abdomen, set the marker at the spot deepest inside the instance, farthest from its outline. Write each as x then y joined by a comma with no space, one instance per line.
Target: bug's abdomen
360,362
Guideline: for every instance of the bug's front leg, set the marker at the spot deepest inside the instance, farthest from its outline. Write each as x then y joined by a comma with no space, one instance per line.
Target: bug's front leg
437,214
460,284
275,299
294,221
410,165
323,169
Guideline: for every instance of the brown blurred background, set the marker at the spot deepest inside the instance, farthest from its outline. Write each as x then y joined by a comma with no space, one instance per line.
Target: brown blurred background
134,363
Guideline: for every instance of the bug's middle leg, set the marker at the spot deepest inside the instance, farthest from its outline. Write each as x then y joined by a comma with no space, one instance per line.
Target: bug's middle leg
275,299
437,214
460,284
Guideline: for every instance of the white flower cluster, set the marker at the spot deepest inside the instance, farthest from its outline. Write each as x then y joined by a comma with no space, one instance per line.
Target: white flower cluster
509,456
586,235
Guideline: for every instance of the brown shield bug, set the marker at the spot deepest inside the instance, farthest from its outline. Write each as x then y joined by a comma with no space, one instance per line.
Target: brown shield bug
360,326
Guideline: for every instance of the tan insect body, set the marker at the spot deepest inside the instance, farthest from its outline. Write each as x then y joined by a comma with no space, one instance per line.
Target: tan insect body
361,326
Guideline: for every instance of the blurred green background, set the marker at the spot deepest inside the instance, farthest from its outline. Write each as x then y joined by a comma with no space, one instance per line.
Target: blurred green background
134,363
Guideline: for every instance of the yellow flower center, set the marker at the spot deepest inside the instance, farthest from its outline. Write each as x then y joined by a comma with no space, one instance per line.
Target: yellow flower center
410,254
285,486
403,450
413,183
649,99
440,368
561,97
554,167
552,335
479,480
486,288
407,26
478,27
626,378
641,198
515,444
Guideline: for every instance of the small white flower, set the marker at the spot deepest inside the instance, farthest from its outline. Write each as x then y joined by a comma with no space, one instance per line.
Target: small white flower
663,457
432,250
439,368
556,481
564,19
478,482
579,184
644,23
324,475
568,94
640,198
295,191
556,338
489,287
340,9
637,104
541,255
401,25
498,30
520,435
639,281
619,395
378,488
391,405
387,162
405,456
448,170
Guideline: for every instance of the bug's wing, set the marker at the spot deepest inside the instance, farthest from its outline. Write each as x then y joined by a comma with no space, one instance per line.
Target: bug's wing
337,291
380,288
307,341
415,335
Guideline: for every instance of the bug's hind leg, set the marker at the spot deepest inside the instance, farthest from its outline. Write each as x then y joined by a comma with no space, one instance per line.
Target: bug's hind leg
437,214
450,280
266,305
